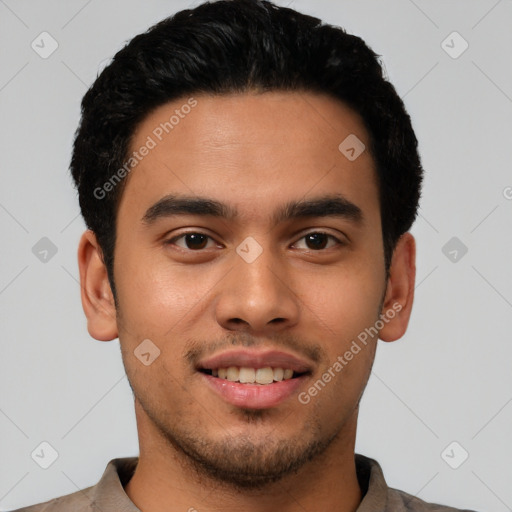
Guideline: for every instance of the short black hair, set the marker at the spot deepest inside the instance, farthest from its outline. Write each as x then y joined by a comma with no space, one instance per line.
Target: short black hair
236,46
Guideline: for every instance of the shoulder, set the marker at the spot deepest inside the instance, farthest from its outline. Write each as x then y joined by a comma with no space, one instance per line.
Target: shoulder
378,496
108,494
80,501
402,501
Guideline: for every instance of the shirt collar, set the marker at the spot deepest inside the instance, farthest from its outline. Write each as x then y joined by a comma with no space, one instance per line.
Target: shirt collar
108,494
372,483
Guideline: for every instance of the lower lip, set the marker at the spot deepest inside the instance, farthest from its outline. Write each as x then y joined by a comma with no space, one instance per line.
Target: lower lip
254,396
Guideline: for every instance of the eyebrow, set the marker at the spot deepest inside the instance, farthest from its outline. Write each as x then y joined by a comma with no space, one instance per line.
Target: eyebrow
332,205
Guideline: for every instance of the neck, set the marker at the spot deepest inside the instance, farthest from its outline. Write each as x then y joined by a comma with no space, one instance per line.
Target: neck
165,476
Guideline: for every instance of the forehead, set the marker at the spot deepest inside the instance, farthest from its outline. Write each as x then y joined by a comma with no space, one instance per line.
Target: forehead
250,150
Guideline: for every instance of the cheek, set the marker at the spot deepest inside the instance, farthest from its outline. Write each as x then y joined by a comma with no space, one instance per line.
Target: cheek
348,334
154,294
347,300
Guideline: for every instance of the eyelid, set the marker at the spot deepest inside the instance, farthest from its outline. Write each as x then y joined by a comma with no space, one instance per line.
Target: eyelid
171,241
339,239
339,235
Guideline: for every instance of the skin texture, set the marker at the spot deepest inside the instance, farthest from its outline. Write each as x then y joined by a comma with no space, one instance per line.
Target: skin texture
254,152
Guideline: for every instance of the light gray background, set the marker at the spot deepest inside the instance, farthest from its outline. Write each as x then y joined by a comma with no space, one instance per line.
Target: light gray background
448,379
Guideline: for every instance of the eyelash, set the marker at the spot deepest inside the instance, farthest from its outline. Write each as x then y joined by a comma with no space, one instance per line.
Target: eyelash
172,240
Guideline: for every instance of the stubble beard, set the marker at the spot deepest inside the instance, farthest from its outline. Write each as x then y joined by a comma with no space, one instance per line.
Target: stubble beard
244,463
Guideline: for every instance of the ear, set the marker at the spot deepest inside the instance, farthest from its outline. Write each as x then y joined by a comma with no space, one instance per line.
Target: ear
97,298
397,305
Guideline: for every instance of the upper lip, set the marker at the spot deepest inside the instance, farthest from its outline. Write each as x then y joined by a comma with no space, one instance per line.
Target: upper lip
255,359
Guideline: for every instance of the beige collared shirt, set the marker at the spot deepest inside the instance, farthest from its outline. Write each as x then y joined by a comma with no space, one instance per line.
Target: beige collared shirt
108,494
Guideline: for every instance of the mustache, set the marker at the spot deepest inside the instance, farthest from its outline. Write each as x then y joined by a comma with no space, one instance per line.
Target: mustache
197,350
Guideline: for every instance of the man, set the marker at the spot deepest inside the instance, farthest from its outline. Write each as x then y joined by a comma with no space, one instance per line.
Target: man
248,178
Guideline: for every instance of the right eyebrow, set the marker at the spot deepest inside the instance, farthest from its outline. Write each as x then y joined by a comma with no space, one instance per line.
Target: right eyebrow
171,205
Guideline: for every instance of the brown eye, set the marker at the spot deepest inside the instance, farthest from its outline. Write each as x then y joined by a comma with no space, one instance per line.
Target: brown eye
318,240
192,241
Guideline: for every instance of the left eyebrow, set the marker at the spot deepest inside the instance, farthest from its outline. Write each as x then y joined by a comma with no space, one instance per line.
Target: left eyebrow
333,205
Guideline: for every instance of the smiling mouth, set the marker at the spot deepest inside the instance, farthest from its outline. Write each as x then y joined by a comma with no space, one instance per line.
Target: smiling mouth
247,375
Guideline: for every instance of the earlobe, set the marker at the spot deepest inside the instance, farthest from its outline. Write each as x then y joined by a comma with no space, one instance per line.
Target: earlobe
96,294
397,306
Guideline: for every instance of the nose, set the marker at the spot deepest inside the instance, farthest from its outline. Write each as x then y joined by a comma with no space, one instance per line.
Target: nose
258,297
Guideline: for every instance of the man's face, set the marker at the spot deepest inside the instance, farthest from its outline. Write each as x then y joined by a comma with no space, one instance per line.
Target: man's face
249,291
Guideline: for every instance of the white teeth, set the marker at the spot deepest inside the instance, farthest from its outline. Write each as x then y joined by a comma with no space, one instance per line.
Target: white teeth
278,374
264,375
247,375
233,373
